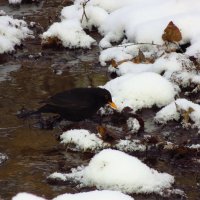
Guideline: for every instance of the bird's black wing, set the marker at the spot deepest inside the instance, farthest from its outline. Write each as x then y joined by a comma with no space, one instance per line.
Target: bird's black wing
71,100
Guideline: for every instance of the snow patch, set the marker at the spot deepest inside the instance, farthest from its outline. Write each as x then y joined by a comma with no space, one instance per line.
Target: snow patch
176,109
141,90
95,195
115,170
12,32
25,196
84,140
70,33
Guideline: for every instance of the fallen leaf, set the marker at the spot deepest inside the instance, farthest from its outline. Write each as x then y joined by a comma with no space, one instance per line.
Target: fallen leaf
115,64
102,132
110,134
140,58
51,42
172,33
186,115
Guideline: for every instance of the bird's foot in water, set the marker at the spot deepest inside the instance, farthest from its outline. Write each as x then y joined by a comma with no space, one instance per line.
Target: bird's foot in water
47,123
24,113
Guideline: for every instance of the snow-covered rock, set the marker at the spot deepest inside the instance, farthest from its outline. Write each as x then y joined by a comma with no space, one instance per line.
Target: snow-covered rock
177,109
115,170
141,90
70,33
12,32
83,140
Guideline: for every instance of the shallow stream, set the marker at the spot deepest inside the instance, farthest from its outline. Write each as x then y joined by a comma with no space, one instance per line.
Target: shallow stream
31,75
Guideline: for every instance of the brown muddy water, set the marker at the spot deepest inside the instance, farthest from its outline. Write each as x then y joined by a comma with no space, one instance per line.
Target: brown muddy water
31,75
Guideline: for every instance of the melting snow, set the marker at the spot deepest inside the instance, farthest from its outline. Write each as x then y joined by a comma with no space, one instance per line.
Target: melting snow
83,140
115,170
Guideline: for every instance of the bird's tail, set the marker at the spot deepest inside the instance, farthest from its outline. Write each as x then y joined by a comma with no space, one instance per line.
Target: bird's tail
24,113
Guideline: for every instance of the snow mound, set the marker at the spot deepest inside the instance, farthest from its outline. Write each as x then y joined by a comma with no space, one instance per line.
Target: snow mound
70,33
141,91
115,170
95,195
83,140
12,32
180,108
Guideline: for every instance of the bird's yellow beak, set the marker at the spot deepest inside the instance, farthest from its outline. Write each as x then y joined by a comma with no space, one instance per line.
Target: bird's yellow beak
112,105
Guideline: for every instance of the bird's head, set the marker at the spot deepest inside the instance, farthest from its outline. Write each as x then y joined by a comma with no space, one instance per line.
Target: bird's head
106,98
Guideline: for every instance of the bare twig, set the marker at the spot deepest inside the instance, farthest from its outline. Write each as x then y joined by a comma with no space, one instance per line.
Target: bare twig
84,13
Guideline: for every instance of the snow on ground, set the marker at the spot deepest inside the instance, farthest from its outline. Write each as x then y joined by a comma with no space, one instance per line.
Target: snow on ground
70,33
12,32
180,108
141,90
108,5
194,146
93,195
26,196
163,62
115,170
175,67
14,2
83,140
147,23
95,15
129,145
129,51
2,12
143,24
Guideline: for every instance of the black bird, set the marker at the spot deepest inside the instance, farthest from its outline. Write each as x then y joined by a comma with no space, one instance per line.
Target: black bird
77,104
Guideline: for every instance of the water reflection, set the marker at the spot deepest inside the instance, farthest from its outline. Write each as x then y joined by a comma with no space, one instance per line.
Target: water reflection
5,71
